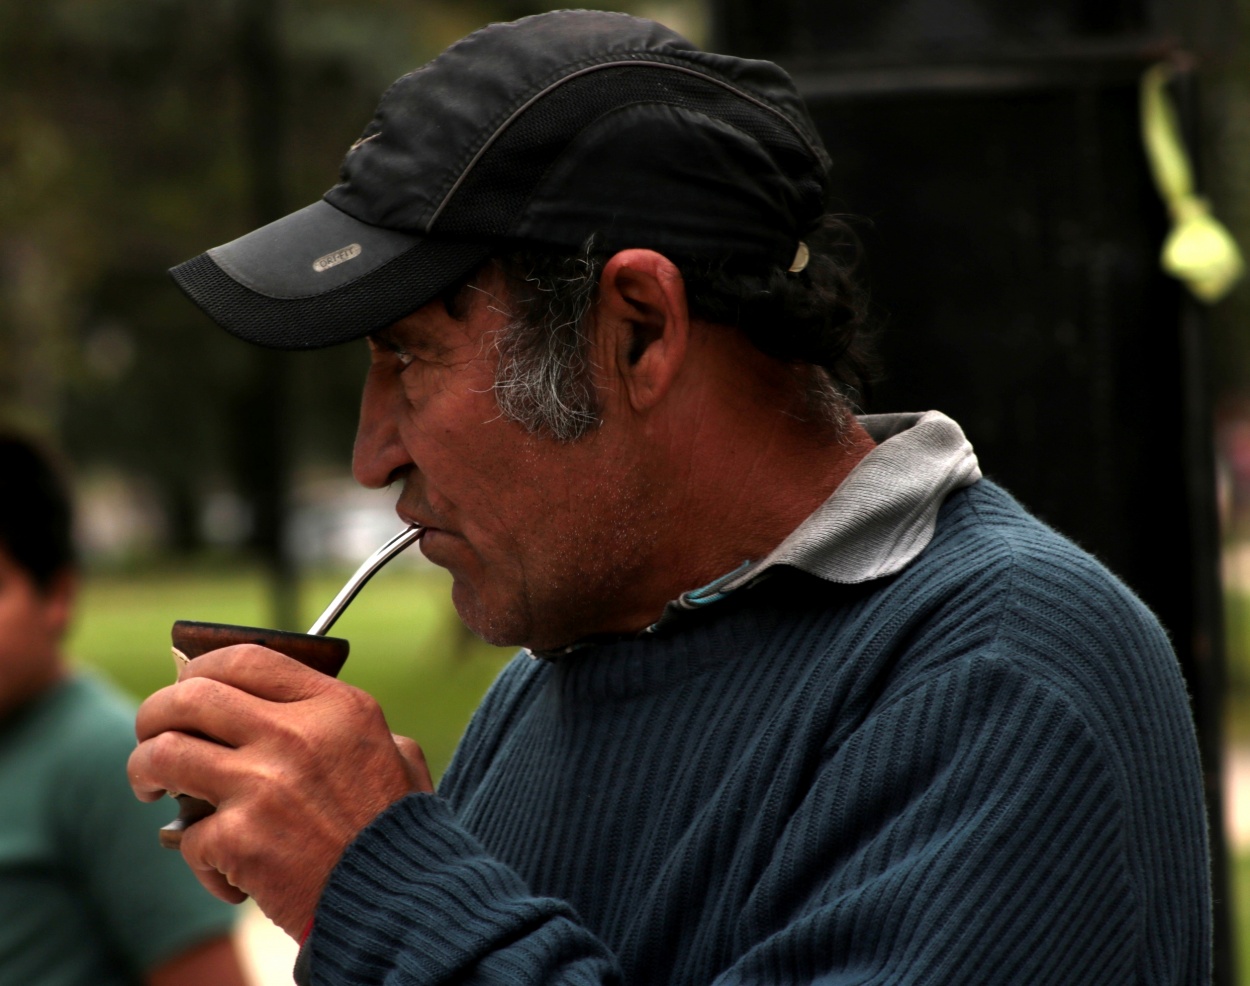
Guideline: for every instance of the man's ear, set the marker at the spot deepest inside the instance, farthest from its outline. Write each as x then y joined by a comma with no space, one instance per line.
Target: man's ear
643,324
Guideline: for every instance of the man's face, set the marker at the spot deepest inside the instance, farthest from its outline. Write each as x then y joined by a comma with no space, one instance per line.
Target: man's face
544,540
32,623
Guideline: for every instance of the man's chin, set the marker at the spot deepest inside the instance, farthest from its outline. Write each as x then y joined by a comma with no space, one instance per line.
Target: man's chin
500,627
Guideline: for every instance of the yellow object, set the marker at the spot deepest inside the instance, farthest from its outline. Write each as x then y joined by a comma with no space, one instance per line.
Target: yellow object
1198,250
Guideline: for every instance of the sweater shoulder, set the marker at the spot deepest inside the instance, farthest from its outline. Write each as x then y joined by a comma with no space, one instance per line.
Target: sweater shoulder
984,535
989,525
997,581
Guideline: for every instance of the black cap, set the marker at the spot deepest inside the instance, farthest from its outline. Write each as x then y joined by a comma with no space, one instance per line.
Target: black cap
543,132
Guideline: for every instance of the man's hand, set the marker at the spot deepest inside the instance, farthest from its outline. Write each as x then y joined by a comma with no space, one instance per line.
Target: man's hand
296,762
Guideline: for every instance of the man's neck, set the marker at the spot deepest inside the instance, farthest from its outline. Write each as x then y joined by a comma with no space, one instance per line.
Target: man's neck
753,500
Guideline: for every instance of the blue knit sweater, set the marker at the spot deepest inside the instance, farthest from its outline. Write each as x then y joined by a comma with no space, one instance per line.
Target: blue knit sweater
978,770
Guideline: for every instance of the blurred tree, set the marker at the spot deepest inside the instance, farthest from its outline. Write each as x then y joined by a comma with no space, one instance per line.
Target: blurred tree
136,134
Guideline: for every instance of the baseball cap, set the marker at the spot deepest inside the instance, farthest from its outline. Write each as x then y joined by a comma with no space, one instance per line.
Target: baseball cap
548,132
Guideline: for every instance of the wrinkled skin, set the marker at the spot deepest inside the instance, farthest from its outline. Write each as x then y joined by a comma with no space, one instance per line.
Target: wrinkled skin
546,542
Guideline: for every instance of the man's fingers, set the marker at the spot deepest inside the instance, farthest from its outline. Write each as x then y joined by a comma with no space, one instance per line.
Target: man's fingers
296,763
188,733
233,700
414,763
214,880
258,671
219,886
206,708
176,761
226,850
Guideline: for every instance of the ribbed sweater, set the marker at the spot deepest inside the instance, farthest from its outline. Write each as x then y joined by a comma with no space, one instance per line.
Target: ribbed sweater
979,769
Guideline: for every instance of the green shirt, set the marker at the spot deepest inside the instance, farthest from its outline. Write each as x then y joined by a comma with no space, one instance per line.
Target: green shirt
87,895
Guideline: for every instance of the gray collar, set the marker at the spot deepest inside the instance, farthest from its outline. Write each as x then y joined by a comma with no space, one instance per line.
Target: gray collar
878,519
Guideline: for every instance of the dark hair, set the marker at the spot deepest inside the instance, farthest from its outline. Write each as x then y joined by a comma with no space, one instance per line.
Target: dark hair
816,317
36,509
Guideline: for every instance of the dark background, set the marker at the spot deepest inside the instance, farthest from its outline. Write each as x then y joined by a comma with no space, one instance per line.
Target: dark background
1012,233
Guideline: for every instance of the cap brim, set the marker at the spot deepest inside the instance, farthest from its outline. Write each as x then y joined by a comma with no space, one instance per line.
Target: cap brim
319,277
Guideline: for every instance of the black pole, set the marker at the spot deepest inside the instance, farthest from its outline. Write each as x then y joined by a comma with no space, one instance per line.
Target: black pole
262,431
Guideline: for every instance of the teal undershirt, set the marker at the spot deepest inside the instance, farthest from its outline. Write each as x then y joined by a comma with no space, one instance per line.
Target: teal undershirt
87,896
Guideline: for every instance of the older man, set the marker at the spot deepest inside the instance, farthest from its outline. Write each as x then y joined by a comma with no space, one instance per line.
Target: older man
804,699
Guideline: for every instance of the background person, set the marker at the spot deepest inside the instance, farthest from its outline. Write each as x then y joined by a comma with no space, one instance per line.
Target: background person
87,898
808,700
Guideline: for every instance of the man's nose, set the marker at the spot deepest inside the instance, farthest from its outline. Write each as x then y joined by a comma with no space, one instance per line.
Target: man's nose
378,453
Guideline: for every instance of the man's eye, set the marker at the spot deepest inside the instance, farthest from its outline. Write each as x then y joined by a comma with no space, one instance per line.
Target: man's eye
381,348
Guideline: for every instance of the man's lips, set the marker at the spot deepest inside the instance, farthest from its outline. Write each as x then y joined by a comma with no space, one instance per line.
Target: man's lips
434,528
431,531
422,518
437,545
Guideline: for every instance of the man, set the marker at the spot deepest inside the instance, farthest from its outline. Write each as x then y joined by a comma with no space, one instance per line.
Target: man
85,898
806,699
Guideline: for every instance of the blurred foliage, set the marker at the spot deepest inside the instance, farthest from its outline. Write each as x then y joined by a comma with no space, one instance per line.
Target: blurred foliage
138,133
1241,932
408,649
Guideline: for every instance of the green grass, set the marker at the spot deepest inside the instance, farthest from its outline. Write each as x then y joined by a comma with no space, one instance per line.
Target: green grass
1241,916
1237,636
408,649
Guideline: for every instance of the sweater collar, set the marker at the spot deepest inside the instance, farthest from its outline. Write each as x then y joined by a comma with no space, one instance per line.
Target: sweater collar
878,519
876,522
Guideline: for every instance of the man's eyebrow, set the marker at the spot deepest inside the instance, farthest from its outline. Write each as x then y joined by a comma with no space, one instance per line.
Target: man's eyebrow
392,338
384,336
